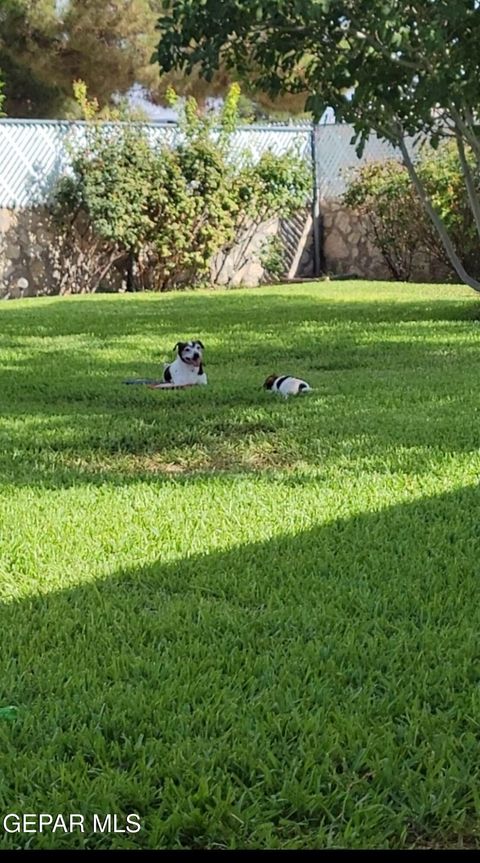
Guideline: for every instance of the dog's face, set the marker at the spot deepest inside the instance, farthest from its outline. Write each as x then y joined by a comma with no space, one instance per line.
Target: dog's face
270,382
190,353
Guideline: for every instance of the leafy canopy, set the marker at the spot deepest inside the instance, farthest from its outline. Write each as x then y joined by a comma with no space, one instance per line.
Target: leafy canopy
374,63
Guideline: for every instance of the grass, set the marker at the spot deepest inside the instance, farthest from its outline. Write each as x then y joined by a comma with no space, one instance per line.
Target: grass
252,622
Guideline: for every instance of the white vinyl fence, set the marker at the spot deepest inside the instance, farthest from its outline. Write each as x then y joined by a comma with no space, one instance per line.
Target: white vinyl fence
35,153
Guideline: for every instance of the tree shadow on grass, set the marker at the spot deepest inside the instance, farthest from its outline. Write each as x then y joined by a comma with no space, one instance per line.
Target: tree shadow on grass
316,690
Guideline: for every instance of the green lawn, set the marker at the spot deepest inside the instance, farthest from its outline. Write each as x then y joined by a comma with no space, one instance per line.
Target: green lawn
253,622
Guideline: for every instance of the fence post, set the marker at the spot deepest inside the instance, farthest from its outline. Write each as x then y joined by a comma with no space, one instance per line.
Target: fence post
316,215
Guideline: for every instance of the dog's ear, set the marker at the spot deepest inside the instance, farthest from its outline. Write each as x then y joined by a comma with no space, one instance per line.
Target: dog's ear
179,347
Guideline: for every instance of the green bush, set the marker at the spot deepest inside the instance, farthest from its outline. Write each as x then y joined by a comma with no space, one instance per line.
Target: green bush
164,212
382,194
272,257
396,223
445,184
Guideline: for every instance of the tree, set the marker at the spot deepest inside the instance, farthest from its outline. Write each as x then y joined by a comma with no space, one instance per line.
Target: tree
393,67
46,44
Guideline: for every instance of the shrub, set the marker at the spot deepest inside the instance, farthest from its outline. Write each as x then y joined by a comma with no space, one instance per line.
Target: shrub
444,181
272,257
381,192
163,212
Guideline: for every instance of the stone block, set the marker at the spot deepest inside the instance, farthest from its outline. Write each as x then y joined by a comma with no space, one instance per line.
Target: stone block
12,252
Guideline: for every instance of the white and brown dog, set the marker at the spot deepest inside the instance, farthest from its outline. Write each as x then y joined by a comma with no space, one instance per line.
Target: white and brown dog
287,385
187,369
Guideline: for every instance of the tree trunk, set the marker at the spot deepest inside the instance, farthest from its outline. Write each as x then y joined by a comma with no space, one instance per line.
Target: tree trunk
131,288
466,130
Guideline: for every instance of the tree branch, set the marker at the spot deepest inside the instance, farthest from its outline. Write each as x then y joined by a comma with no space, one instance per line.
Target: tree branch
469,182
466,129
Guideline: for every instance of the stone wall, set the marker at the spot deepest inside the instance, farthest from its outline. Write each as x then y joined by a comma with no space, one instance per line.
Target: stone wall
348,251
34,262
28,264
346,248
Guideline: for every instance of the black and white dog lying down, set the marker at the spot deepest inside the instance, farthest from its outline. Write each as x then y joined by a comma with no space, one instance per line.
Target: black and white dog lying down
286,385
187,368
